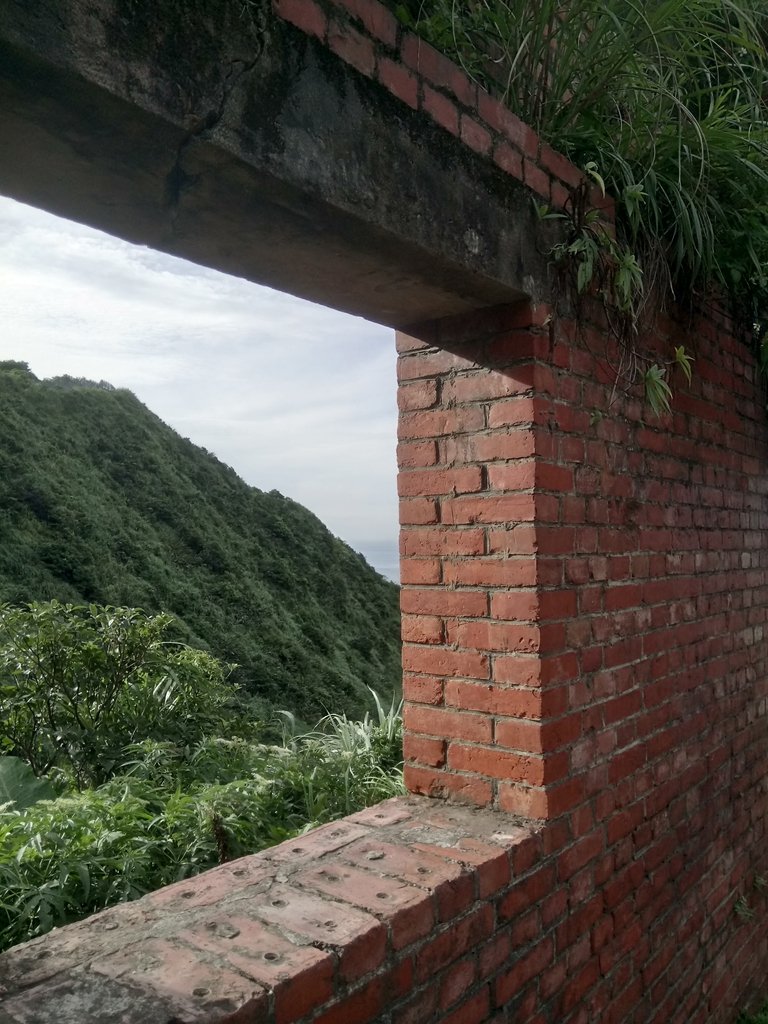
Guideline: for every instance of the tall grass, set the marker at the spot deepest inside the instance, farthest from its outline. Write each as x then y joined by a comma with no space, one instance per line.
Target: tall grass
667,97
173,811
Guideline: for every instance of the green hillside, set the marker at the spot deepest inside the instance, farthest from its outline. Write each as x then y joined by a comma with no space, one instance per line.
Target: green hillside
101,502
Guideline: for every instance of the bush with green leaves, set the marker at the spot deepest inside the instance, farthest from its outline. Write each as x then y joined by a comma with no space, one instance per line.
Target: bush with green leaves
80,683
178,809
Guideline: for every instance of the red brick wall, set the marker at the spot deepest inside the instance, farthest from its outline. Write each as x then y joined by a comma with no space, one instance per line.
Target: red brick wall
584,605
584,598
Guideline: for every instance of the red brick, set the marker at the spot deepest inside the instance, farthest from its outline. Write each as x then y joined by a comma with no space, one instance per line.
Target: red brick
509,159
440,481
456,982
513,539
494,763
422,629
511,476
473,1011
528,966
553,478
300,976
352,47
389,812
554,162
445,662
421,1007
212,886
441,109
439,423
474,135
435,362
367,890
355,934
415,454
363,1005
515,411
418,394
516,605
503,120
528,801
448,724
491,572
304,14
485,384
419,571
180,973
522,703
539,181
447,946
465,788
454,898
325,839
509,444
424,751
400,81
488,635
441,541
438,601
380,22
418,512
437,68
492,509
581,853
422,689
517,734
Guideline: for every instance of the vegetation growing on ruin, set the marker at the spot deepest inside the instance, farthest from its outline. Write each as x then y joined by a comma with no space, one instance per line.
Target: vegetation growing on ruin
665,102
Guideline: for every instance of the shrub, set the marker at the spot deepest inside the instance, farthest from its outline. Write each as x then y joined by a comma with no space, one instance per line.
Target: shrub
78,684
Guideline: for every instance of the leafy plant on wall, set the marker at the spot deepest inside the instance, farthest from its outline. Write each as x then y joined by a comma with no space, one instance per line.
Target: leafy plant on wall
666,102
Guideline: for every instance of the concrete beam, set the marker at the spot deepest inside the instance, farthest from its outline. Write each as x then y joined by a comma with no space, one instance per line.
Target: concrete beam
221,134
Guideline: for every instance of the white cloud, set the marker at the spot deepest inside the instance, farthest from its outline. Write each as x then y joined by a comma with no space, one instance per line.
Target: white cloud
293,396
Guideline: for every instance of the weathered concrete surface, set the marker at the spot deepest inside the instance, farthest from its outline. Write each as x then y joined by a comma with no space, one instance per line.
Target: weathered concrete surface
274,935
217,132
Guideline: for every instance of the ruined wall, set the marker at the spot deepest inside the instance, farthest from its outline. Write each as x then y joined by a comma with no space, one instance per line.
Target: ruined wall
584,603
584,621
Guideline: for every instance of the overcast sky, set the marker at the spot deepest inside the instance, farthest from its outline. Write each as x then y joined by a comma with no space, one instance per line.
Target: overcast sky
293,396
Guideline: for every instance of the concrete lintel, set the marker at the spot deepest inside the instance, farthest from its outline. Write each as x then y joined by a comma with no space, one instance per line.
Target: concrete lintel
218,133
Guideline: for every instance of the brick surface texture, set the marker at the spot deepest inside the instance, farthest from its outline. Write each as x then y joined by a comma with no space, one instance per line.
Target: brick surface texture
585,671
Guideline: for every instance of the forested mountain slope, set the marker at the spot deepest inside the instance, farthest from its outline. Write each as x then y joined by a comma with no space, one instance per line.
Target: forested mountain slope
101,502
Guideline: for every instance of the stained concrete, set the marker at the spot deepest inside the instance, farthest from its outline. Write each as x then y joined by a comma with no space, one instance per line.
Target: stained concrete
216,132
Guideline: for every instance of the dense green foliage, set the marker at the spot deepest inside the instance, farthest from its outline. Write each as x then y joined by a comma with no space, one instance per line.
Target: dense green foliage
100,502
667,99
175,811
79,684
121,816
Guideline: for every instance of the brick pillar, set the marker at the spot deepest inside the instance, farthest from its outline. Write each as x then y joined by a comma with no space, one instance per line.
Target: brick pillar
485,608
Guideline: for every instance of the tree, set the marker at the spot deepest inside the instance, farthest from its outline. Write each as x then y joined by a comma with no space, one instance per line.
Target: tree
79,683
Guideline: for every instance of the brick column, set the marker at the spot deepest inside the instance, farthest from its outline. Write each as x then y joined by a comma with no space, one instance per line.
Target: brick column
484,607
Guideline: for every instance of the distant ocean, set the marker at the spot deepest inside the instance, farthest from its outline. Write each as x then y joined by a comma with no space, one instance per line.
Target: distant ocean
384,557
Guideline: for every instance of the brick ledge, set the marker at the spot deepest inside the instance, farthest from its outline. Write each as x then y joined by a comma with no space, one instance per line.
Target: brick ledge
330,927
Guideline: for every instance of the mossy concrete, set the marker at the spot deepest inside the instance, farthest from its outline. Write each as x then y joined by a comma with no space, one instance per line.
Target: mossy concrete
217,132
